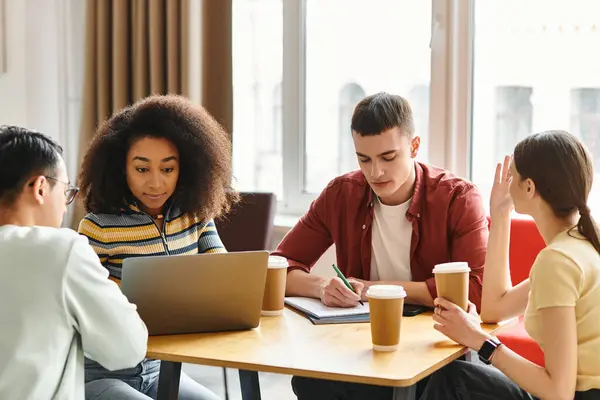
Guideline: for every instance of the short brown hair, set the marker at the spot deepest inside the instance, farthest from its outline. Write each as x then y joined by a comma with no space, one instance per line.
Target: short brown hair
562,170
204,185
380,112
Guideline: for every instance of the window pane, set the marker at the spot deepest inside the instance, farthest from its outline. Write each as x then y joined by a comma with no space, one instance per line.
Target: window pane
534,71
257,100
353,51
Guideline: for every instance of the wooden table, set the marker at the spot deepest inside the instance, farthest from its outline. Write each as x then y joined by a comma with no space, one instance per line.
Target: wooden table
292,345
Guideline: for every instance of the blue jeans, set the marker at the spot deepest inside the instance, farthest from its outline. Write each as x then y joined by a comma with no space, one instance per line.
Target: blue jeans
137,383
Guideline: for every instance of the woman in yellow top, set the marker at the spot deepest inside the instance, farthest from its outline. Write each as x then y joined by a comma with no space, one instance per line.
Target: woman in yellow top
549,178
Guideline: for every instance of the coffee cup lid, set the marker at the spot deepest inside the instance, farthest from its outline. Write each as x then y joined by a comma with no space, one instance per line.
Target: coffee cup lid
451,267
277,262
386,292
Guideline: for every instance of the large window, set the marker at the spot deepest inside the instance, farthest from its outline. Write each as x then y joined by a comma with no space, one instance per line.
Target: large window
257,101
353,50
533,71
300,68
480,76
349,96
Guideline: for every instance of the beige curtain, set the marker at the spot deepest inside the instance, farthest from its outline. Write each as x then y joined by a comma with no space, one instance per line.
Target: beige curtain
217,87
135,48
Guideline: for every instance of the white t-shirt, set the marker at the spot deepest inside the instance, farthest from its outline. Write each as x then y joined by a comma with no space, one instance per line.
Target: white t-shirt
390,243
57,303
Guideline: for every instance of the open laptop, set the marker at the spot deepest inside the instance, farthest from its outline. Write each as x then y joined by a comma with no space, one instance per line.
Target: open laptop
197,293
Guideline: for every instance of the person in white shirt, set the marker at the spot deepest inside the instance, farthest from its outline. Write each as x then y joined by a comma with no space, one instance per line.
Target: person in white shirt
56,301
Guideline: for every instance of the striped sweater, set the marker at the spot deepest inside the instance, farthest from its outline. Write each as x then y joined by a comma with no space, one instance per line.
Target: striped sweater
133,233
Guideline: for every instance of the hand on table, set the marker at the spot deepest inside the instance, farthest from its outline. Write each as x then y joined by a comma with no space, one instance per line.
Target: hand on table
335,294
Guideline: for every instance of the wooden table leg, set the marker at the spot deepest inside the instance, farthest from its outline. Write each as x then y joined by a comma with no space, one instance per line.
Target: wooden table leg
168,380
405,393
250,385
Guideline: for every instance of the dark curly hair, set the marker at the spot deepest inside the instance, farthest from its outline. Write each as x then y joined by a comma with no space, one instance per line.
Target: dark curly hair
204,185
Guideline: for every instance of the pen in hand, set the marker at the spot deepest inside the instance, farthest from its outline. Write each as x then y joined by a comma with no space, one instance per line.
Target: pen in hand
343,278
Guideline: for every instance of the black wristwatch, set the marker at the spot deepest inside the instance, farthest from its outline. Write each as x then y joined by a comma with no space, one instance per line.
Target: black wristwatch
488,349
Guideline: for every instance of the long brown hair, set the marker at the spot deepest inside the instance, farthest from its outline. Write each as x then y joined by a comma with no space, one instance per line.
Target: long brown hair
562,170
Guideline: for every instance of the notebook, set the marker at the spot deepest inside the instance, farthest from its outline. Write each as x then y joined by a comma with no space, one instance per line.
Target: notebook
320,314
348,319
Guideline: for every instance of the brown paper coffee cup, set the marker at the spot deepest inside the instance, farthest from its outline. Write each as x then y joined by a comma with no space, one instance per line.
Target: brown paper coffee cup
386,303
452,281
274,296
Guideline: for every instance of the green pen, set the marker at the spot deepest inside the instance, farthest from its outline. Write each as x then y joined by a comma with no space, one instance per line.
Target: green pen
343,278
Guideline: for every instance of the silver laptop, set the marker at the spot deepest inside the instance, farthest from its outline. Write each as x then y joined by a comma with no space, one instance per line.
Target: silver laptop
197,293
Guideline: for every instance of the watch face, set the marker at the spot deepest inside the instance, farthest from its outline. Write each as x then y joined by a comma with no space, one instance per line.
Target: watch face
488,348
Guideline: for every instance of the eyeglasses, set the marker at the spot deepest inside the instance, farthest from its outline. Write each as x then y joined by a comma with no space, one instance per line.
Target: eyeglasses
70,191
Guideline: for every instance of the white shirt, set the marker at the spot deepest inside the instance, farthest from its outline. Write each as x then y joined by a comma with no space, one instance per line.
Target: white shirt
390,243
56,302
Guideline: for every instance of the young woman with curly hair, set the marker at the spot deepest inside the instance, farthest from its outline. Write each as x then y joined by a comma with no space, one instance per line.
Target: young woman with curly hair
153,179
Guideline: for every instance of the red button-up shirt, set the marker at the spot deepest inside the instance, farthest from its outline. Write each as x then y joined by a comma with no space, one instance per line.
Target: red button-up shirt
447,215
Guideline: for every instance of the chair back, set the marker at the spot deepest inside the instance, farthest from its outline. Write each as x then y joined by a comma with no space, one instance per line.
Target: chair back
525,244
249,224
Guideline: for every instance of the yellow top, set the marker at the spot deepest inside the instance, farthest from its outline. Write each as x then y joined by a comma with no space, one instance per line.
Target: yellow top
567,274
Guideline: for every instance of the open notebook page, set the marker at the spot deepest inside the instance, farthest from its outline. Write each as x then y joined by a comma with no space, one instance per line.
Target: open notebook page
317,309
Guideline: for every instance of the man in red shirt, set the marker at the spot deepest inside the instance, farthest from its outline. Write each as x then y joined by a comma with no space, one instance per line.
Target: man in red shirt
391,223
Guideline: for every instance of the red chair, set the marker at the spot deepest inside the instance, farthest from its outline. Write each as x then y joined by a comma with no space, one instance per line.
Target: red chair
525,244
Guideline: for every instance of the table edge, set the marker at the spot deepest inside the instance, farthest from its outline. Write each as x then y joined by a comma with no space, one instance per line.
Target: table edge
311,373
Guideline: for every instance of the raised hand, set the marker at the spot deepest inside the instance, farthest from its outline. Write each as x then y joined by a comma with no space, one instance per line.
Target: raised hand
501,203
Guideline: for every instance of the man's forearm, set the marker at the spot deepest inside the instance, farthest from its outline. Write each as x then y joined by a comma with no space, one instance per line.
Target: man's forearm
416,292
303,284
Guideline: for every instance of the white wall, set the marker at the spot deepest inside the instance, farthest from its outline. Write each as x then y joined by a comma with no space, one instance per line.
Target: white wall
13,81
74,42
41,88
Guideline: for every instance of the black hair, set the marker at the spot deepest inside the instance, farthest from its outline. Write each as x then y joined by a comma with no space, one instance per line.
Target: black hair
24,154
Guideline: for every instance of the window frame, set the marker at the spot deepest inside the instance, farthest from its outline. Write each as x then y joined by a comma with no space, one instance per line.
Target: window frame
449,143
